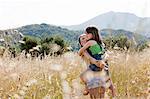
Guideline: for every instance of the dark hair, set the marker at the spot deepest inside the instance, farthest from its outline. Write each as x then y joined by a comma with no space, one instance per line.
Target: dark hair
80,40
94,31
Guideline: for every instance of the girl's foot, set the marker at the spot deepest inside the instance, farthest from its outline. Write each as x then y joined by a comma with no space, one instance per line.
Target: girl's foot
85,92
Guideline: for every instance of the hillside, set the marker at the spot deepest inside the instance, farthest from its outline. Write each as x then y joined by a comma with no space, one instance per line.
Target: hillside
10,37
45,30
130,35
117,20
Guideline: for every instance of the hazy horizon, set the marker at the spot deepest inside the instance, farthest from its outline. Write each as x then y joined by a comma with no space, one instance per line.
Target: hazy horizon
16,13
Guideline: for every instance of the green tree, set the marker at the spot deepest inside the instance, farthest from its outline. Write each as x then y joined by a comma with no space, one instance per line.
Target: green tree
30,42
47,40
122,42
59,41
141,46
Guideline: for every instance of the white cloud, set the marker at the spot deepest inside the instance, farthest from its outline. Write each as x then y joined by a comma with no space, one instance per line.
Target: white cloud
14,13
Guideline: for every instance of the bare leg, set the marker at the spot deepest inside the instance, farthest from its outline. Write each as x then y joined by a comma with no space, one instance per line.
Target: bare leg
97,93
102,92
112,89
83,78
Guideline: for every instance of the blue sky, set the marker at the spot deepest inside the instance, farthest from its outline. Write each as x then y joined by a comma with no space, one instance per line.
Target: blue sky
15,13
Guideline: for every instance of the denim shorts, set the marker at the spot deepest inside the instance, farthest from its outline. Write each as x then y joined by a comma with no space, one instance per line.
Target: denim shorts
93,67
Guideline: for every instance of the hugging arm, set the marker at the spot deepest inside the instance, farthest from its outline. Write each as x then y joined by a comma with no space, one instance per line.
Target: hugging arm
92,60
88,44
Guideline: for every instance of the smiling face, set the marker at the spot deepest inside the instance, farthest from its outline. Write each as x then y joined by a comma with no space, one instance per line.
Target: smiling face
83,39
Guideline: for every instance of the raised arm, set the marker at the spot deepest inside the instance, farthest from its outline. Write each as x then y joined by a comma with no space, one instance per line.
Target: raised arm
88,57
87,45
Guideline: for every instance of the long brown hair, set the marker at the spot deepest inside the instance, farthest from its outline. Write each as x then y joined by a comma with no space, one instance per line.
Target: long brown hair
94,31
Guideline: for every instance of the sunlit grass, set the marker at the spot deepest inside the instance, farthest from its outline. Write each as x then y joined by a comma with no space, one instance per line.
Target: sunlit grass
58,77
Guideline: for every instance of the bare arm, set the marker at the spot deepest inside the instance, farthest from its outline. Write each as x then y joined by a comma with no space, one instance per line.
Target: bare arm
99,63
88,44
84,48
90,58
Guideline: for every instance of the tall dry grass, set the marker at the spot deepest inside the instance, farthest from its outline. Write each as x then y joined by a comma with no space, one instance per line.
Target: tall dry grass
58,77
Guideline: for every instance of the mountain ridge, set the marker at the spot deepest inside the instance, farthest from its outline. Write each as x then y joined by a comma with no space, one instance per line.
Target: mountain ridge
46,30
117,20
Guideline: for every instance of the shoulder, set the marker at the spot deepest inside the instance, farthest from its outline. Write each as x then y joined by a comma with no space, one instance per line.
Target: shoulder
91,42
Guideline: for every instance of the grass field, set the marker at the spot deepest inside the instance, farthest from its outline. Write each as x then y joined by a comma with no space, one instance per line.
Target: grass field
58,77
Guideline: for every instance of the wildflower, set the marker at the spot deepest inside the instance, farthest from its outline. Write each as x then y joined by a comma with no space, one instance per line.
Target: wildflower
63,75
47,97
14,76
24,88
22,93
31,82
133,82
16,96
66,88
56,67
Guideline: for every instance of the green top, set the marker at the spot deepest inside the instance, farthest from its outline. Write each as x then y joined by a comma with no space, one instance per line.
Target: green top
96,49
